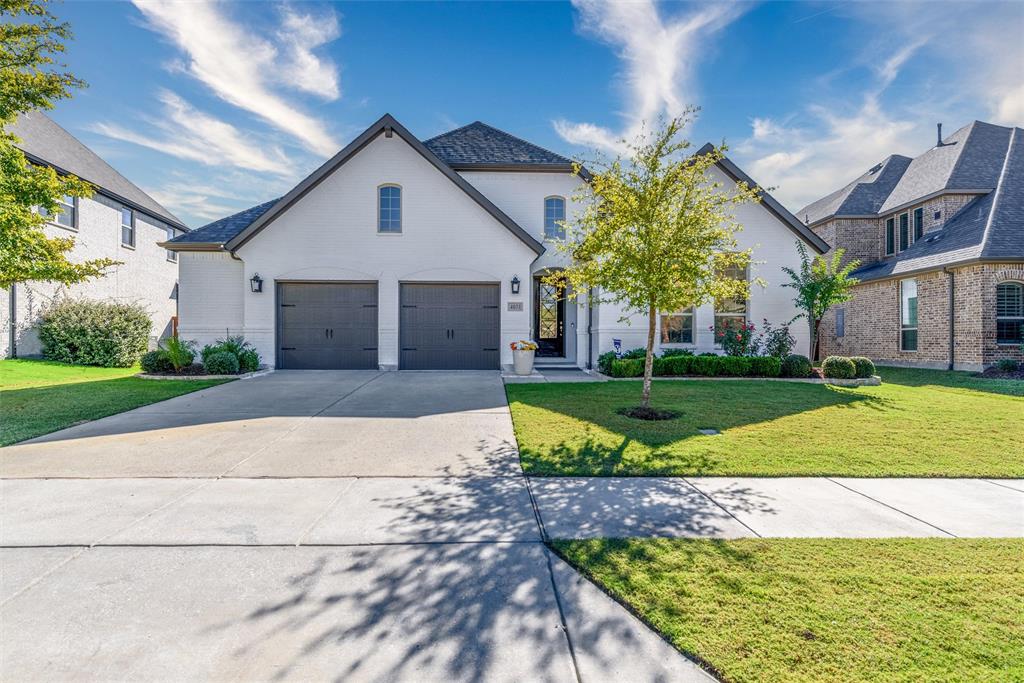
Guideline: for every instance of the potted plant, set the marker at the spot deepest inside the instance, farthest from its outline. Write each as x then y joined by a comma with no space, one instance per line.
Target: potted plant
522,356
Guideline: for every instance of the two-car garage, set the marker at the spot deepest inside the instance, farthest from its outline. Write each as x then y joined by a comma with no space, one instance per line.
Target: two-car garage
334,325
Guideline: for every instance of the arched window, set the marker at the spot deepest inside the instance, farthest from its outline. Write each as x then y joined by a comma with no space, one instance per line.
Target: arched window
389,208
1009,312
554,214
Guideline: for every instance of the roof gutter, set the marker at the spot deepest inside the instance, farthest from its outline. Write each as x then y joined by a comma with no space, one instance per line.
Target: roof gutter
939,268
192,246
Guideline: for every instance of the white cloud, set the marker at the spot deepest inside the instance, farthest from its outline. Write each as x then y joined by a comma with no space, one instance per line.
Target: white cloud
300,34
243,68
659,56
187,133
803,163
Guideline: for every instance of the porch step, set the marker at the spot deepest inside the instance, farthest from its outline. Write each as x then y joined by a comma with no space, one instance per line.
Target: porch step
554,365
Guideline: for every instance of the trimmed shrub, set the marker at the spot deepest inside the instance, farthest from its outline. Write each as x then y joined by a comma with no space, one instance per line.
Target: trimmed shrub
88,332
248,361
638,352
796,365
838,367
155,362
221,363
765,366
627,367
668,353
604,362
247,357
1007,365
863,366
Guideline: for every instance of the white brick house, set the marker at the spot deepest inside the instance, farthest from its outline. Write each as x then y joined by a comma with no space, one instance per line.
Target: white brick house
119,221
398,253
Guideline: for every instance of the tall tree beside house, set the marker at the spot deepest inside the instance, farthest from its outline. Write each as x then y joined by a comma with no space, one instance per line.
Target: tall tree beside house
656,231
822,283
31,79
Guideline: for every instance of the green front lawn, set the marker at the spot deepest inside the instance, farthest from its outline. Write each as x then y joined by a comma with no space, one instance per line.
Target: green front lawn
918,423
39,397
825,609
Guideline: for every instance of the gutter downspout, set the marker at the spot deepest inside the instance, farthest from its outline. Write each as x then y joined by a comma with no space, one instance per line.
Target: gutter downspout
952,318
590,328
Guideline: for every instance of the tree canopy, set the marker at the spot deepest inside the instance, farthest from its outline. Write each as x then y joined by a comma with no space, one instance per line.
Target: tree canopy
656,231
31,79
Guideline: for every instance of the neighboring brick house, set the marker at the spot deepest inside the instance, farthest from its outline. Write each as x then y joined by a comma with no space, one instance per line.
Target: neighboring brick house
940,239
119,221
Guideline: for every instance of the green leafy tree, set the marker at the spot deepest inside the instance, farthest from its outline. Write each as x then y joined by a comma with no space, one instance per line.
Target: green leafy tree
656,231
821,283
32,79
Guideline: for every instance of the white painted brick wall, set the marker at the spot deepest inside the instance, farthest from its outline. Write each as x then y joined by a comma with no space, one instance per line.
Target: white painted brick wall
145,276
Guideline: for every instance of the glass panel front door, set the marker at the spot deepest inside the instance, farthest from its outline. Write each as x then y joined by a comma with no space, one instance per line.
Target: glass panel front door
549,319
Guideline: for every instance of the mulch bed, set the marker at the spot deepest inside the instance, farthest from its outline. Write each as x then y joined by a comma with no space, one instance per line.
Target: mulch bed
996,373
641,413
187,371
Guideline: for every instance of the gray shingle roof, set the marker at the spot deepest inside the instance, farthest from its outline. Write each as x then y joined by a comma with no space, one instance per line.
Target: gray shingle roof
223,229
863,197
44,141
969,159
989,227
481,145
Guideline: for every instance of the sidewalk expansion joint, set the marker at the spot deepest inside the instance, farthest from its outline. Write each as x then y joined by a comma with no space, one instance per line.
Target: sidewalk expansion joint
891,507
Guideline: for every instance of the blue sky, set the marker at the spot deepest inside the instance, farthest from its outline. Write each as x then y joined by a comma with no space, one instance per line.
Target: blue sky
213,107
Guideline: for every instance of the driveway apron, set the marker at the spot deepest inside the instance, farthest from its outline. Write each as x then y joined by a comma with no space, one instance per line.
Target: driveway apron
302,525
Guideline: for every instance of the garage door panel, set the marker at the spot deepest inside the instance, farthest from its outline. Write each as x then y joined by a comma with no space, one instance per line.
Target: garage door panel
449,326
327,325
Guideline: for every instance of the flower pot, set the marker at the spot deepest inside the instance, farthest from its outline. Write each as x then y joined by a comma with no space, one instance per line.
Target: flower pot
522,362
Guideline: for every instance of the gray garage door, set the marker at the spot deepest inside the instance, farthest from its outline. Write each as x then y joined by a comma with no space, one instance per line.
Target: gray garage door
449,327
327,326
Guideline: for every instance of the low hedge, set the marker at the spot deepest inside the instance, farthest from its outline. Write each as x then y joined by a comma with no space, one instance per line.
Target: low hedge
156,362
796,365
706,366
863,367
838,367
221,363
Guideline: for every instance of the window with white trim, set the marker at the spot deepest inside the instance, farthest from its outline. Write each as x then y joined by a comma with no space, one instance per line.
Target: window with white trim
554,218
908,315
171,255
1010,313
389,208
677,328
67,217
127,227
731,311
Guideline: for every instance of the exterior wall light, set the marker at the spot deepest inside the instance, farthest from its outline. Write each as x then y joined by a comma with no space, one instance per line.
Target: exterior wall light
515,284
256,283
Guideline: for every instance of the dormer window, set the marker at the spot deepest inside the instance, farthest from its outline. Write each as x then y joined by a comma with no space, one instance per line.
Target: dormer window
904,231
890,236
554,217
389,209
918,224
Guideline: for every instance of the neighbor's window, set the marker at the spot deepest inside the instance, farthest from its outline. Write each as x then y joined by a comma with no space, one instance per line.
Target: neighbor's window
908,315
1010,313
677,328
171,255
734,310
68,217
904,231
918,224
554,215
890,236
389,208
127,227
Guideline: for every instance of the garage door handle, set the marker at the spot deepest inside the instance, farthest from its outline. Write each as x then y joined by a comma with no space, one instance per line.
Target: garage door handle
287,348
407,348
287,305
494,349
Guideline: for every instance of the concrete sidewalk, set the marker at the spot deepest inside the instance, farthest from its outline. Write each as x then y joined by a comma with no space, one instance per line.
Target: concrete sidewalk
719,507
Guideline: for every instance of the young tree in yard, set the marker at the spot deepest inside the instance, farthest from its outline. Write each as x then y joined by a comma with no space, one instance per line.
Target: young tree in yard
31,79
656,232
821,283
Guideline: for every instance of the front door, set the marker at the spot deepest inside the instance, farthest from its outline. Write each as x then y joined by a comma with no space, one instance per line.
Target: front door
549,319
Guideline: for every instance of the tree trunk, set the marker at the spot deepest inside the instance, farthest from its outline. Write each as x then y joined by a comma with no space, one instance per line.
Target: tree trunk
815,325
645,399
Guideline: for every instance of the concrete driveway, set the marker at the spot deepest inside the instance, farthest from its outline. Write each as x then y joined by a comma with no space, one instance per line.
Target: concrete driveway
302,525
